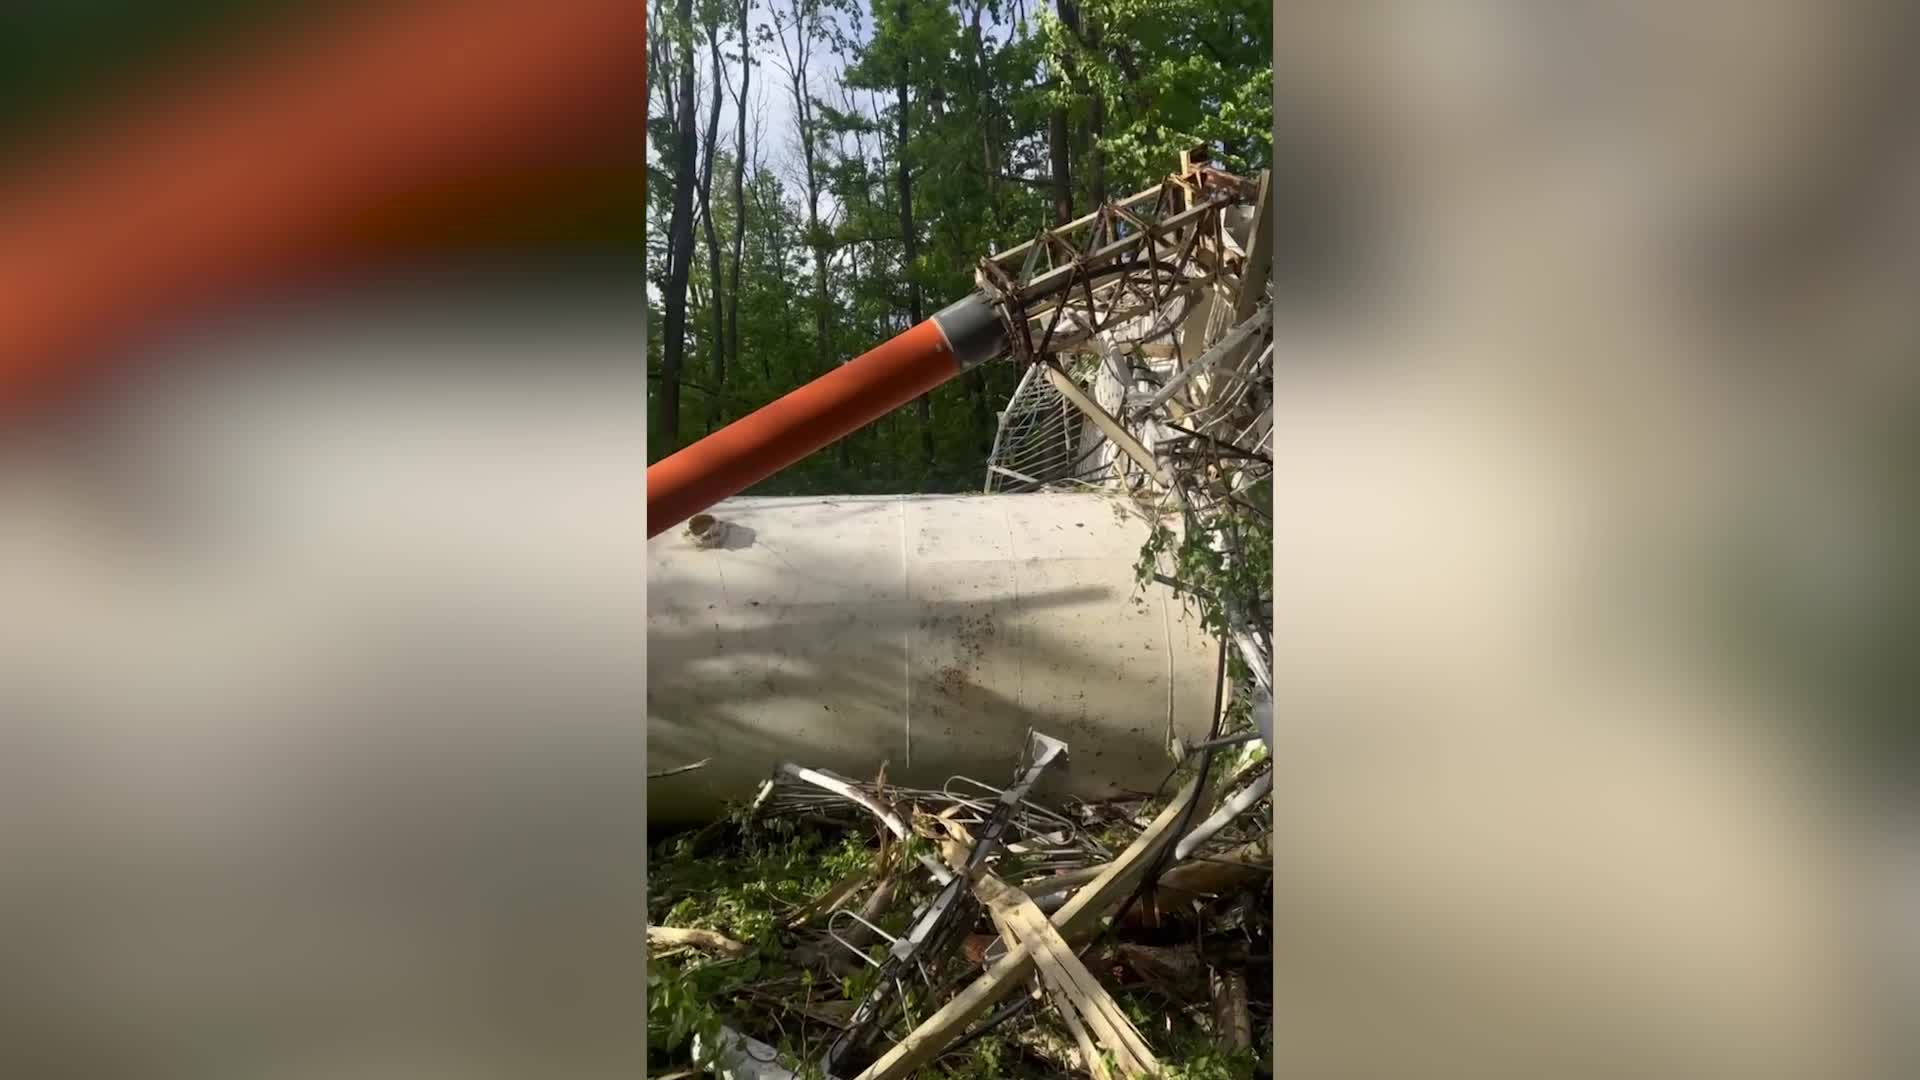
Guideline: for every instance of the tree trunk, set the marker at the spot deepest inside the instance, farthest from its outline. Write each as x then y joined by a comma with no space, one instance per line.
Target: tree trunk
1096,125
1059,131
739,187
1096,156
1058,141
983,110
716,347
816,235
990,166
775,255
910,246
857,278
799,87
679,239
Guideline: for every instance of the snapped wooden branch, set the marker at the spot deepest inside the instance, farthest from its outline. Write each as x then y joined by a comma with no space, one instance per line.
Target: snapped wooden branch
1082,1002
1075,922
1230,1017
673,937
1089,1055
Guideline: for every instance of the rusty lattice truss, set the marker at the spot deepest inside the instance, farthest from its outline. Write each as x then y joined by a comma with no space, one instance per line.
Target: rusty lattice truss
1160,304
1163,298
1150,254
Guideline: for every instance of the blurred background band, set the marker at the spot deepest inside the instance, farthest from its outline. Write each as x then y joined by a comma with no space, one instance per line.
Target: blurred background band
388,130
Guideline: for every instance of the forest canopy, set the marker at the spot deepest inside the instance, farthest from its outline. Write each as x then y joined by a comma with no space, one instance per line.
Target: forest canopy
825,173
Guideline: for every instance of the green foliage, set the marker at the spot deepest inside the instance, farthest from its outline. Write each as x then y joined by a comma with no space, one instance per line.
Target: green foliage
1224,587
737,896
735,876
1212,1063
1224,568
982,78
916,846
680,1004
1172,74
766,869
1187,1052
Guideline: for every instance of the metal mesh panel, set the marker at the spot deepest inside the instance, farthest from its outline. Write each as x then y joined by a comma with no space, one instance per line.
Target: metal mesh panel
1038,441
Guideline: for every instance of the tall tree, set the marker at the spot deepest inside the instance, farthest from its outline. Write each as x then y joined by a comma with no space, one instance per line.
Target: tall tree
680,233
909,240
1167,75
803,21
739,182
926,146
1089,32
1059,131
979,77
716,345
772,212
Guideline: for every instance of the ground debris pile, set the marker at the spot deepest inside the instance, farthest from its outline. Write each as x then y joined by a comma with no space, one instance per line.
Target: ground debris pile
862,931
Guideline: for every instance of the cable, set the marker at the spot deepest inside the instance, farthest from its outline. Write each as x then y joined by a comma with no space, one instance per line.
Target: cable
1152,876
1006,1013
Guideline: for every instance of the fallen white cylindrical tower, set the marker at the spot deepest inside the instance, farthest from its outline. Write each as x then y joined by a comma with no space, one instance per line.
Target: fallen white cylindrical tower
928,632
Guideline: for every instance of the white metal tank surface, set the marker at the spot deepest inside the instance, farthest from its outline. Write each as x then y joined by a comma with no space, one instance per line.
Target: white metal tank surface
928,632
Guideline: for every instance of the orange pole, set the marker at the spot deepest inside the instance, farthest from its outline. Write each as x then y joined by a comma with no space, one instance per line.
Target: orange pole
769,439
271,171
961,335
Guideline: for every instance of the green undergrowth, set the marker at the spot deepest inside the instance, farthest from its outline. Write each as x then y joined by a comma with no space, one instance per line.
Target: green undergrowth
1187,1051
743,879
740,889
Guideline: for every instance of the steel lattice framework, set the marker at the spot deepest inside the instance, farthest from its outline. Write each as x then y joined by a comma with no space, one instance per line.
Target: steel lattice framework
1163,297
1039,439
1161,305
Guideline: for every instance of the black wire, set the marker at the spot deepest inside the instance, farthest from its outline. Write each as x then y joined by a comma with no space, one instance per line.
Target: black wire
1006,1013
1152,876
1164,781
1227,448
